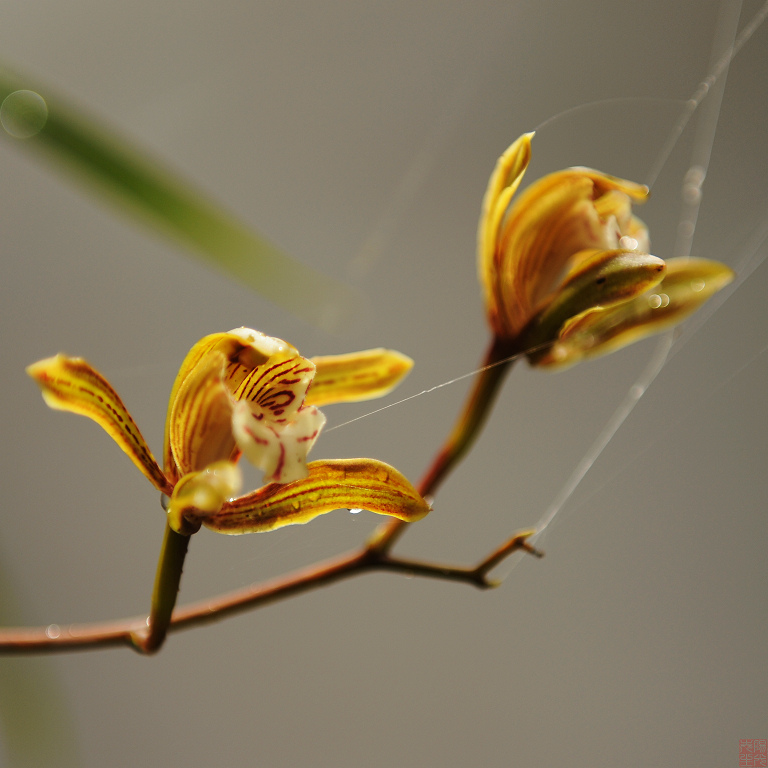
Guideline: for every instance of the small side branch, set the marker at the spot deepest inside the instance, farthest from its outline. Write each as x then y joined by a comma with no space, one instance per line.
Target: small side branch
478,575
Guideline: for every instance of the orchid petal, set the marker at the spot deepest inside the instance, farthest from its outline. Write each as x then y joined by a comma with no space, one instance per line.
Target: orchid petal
343,483
71,384
202,493
280,450
505,179
687,285
203,347
602,279
200,417
356,376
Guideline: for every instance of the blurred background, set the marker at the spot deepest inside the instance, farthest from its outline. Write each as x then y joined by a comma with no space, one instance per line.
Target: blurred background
359,137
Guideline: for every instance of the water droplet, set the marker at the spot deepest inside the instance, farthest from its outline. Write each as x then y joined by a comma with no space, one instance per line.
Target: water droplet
654,301
23,114
697,285
629,243
53,631
355,511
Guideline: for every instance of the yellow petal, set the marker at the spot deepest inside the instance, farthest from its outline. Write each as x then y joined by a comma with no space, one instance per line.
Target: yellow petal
687,284
71,384
202,493
203,347
336,484
356,376
605,183
505,179
200,418
600,279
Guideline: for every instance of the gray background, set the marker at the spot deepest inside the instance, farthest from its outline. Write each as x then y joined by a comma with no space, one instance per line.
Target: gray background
360,136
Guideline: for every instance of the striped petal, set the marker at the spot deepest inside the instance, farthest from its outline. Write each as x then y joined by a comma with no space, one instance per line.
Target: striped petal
344,483
200,418
356,376
173,428
688,283
71,384
505,179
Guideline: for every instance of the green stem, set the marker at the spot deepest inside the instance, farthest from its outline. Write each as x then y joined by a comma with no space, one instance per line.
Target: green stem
167,580
499,357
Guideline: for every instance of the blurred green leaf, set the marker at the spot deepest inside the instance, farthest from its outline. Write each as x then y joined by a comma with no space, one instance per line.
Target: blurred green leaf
138,183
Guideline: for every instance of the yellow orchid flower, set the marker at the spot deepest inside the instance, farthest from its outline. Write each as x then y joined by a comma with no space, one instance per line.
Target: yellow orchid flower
565,268
567,244
244,392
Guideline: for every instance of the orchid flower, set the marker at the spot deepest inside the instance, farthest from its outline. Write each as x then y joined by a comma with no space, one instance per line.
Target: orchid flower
237,393
569,253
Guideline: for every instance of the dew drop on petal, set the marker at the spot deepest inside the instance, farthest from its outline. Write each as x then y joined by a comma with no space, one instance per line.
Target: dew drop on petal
23,114
355,511
628,243
697,285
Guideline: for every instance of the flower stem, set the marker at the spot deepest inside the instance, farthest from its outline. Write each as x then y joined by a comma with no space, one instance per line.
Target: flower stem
499,357
167,580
